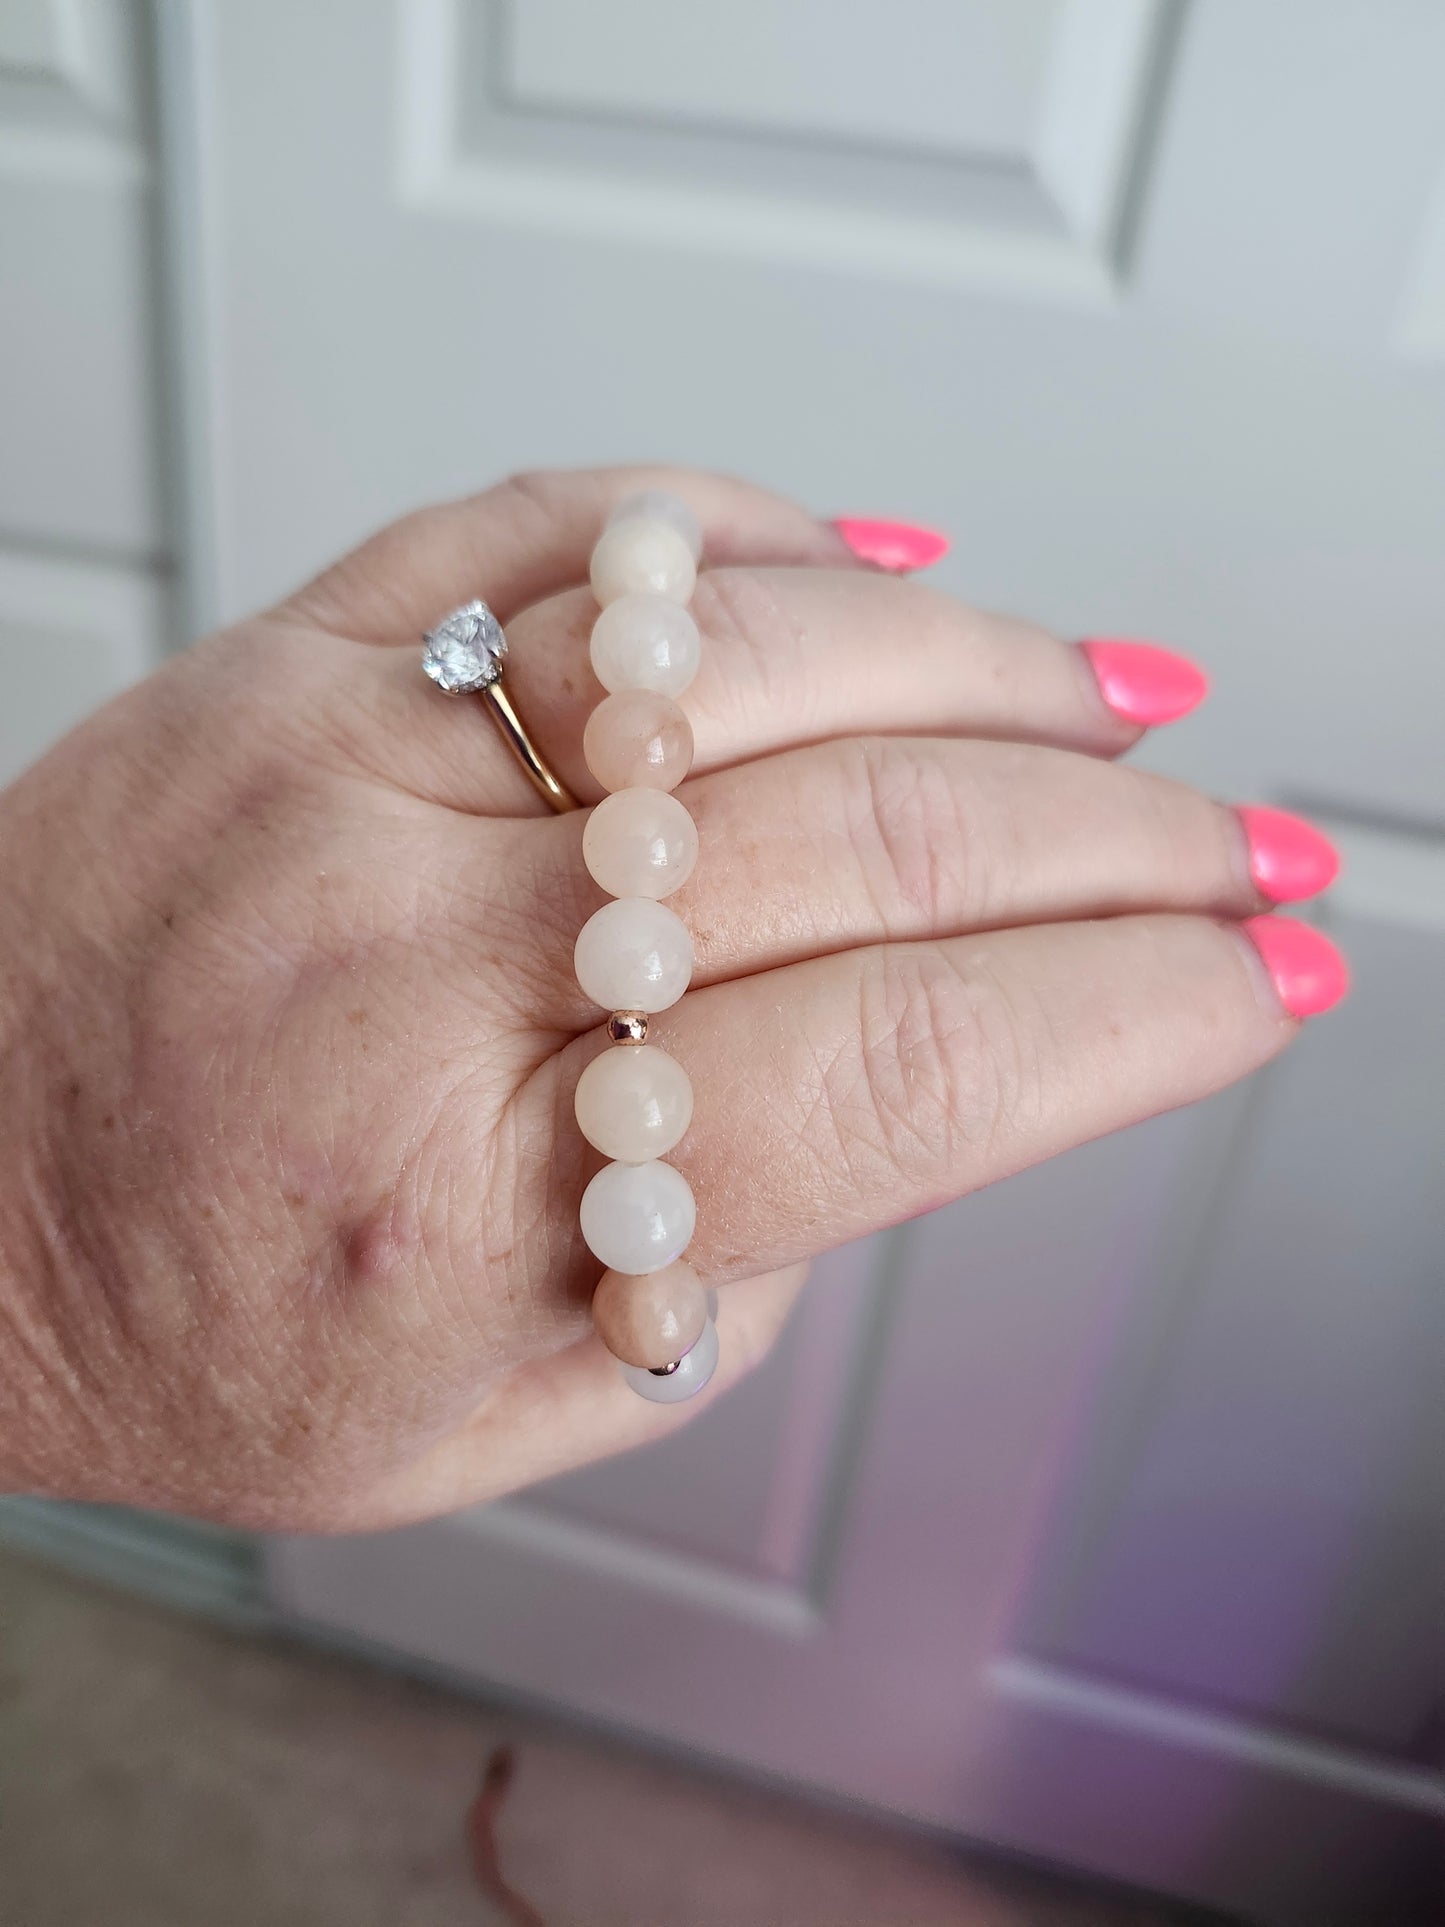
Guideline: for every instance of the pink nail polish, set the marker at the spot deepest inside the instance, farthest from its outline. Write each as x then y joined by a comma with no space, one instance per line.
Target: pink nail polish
1308,973
1288,858
896,546
1143,683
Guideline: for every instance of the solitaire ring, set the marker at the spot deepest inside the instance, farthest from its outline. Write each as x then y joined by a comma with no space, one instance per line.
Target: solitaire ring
464,656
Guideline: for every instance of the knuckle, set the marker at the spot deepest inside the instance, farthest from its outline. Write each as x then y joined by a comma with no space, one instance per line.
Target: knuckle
742,613
910,829
945,1068
533,490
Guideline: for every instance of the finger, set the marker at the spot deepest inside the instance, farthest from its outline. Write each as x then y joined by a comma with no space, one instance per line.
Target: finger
532,536
843,1095
791,656
876,839
795,656
570,1409
888,839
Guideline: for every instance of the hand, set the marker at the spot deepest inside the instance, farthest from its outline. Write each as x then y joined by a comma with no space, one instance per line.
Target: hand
288,1212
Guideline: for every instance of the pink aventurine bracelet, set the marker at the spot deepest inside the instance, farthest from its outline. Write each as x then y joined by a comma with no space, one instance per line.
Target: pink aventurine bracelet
634,956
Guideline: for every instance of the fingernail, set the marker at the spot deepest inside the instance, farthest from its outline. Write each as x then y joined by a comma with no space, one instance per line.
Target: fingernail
1288,858
1144,683
1309,975
897,546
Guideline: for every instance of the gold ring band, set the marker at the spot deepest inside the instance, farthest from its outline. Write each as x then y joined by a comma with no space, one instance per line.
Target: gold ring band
464,655
534,764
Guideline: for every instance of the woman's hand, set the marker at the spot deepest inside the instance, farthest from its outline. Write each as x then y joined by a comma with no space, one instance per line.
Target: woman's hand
288,1204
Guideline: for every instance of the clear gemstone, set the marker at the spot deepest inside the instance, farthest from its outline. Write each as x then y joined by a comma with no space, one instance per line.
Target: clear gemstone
465,650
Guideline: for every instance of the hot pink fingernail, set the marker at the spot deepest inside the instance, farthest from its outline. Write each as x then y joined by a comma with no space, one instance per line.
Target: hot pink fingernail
1143,683
1288,858
897,546
1308,973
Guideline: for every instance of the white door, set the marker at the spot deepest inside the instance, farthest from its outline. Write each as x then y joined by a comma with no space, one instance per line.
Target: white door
1101,1515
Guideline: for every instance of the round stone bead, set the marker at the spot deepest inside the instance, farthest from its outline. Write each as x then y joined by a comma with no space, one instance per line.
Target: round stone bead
633,955
638,1217
638,739
694,1371
650,1321
640,843
657,505
634,1104
642,555
645,642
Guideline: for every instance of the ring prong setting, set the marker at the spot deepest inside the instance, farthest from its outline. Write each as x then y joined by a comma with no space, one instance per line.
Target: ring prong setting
463,654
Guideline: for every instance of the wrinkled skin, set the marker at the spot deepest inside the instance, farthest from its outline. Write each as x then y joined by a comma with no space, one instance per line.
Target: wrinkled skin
290,1177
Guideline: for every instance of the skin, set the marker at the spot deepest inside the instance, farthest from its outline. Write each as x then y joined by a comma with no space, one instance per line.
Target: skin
288,1195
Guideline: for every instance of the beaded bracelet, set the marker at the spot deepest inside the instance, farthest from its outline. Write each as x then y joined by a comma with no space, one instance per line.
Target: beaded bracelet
634,956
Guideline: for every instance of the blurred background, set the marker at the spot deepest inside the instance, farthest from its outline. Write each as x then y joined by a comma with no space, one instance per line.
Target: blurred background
1099,1520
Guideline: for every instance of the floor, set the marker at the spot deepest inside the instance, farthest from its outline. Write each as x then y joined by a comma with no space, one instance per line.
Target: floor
156,1771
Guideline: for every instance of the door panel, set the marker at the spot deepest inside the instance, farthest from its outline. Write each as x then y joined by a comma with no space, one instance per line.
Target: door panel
752,66
1010,152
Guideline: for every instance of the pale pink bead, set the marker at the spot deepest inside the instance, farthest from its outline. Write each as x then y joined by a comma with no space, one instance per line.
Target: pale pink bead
660,506
645,642
642,555
638,739
633,955
640,843
634,1103
650,1321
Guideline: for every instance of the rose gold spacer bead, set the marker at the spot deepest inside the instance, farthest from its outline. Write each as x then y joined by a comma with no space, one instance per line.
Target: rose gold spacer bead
627,1026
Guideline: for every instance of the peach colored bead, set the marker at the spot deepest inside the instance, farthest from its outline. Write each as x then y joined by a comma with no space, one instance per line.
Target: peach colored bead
643,556
640,843
652,1321
638,739
634,1103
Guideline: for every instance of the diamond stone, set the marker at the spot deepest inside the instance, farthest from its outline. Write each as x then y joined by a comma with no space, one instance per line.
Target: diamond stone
465,651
